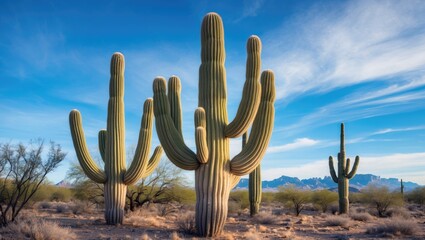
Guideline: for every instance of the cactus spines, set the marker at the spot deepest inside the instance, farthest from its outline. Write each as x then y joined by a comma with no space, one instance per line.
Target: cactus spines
344,174
215,173
115,177
254,185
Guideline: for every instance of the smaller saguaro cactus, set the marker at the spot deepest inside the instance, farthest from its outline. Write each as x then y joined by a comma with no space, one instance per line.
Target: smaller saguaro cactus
254,185
401,187
344,174
115,177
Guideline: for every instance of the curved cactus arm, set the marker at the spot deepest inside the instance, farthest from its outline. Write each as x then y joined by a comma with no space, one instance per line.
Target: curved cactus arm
201,135
174,90
171,140
153,162
251,91
251,155
332,169
86,161
102,143
355,166
140,160
234,180
347,166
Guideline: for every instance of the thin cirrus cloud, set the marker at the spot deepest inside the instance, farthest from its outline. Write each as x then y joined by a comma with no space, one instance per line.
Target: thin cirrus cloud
298,143
366,41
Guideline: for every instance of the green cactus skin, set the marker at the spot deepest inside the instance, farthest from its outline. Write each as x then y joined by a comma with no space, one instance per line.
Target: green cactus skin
254,185
112,147
215,173
344,175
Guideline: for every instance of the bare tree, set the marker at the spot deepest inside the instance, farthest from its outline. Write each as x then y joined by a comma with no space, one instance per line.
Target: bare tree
22,171
157,188
83,187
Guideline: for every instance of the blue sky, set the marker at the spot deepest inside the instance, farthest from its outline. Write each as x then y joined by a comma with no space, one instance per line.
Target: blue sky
357,62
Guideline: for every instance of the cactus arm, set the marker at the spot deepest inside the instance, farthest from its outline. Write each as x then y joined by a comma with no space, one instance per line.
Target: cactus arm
171,140
174,89
251,155
332,169
140,161
201,136
251,92
86,161
234,180
347,166
102,143
355,166
153,162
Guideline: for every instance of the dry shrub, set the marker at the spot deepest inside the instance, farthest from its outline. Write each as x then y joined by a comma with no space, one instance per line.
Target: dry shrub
278,211
45,205
186,223
265,218
80,207
399,212
395,226
61,208
39,229
341,220
361,216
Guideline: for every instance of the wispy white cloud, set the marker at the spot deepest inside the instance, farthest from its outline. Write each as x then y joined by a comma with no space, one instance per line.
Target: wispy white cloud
250,8
409,166
365,41
391,130
298,143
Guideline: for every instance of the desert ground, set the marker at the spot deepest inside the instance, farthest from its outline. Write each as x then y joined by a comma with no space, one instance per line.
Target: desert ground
80,221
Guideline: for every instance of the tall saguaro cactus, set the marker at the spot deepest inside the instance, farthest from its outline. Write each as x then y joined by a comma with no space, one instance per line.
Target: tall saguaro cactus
344,174
115,177
215,173
254,185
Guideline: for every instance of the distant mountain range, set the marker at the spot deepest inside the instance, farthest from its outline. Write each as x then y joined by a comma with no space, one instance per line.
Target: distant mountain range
358,182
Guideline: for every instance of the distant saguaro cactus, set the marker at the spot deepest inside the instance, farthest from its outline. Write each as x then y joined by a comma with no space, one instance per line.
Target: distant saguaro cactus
401,187
344,174
215,173
115,177
254,184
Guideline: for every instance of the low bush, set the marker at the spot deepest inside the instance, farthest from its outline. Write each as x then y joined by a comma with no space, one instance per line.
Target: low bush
186,223
265,218
38,229
341,220
361,216
395,226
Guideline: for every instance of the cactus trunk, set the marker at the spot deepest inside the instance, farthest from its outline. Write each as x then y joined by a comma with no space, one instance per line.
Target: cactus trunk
254,185
215,173
344,174
255,191
115,177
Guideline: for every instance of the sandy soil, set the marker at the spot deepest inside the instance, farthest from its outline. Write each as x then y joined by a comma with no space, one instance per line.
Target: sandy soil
147,224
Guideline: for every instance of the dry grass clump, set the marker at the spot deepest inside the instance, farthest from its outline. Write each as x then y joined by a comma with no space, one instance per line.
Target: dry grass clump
341,220
252,234
62,208
361,216
395,226
186,223
265,218
45,205
80,207
174,236
38,229
399,212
